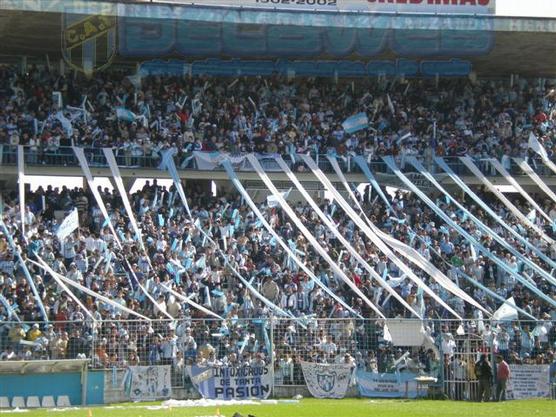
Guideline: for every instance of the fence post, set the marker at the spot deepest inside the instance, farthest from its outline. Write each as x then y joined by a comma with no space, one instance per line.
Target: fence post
271,353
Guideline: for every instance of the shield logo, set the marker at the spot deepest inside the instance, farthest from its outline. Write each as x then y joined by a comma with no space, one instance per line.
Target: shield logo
88,41
326,381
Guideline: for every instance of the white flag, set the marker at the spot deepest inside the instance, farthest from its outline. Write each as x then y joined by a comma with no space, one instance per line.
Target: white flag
272,201
536,146
506,312
70,223
532,216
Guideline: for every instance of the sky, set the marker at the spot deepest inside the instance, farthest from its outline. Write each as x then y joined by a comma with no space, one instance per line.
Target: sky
526,8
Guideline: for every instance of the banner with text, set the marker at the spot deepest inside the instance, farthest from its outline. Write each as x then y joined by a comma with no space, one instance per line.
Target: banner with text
150,382
231,383
399,6
327,380
528,381
391,385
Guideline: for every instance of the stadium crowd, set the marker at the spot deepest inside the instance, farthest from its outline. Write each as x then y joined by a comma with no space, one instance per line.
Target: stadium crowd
140,117
265,116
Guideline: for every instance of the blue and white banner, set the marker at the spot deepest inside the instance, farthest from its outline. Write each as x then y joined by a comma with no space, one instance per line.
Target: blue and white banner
356,123
70,223
390,385
232,383
528,381
150,382
208,161
327,380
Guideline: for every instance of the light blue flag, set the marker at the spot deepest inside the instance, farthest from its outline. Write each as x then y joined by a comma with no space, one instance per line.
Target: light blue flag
125,114
161,220
356,123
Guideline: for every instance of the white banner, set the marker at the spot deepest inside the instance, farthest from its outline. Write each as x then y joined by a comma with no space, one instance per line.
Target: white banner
528,381
395,6
70,223
21,186
150,382
327,380
208,161
406,332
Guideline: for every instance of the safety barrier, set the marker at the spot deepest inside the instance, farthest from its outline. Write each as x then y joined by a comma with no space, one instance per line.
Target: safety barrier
441,349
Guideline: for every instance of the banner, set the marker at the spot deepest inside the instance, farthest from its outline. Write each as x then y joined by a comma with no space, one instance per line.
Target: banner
209,161
327,380
309,236
536,146
468,162
528,381
21,187
150,382
237,183
468,237
483,227
372,232
393,6
356,123
332,227
442,164
231,383
391,385
406,332
70,223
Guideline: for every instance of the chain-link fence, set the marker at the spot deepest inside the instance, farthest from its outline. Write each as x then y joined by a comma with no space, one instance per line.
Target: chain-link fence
447,351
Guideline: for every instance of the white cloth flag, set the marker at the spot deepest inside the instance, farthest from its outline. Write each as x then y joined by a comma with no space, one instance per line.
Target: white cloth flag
525,167
378,237
123,194
89,177
90,292
483,227
507,312
70,223
498,166
21,186
536,146
272,201
327,380
309,236
279,240
442,164
518,214
341,238
471,239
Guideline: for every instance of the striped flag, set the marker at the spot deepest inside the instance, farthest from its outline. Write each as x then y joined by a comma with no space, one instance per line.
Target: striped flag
355,123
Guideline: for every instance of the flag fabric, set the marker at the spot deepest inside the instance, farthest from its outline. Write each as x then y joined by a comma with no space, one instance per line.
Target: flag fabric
125,114
536,146
390,104
135,80
507,312
532,216
355,123
272,201
66,123
70,223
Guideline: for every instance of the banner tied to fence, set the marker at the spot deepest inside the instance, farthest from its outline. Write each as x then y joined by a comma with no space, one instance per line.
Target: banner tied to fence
150,382
327,380
232,383
388,385
529,381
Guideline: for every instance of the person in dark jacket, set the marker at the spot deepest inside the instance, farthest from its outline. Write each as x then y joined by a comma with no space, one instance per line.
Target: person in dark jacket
483,370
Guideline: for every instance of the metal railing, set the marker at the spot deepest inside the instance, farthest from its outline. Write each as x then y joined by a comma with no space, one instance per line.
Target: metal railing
64,156
283,343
